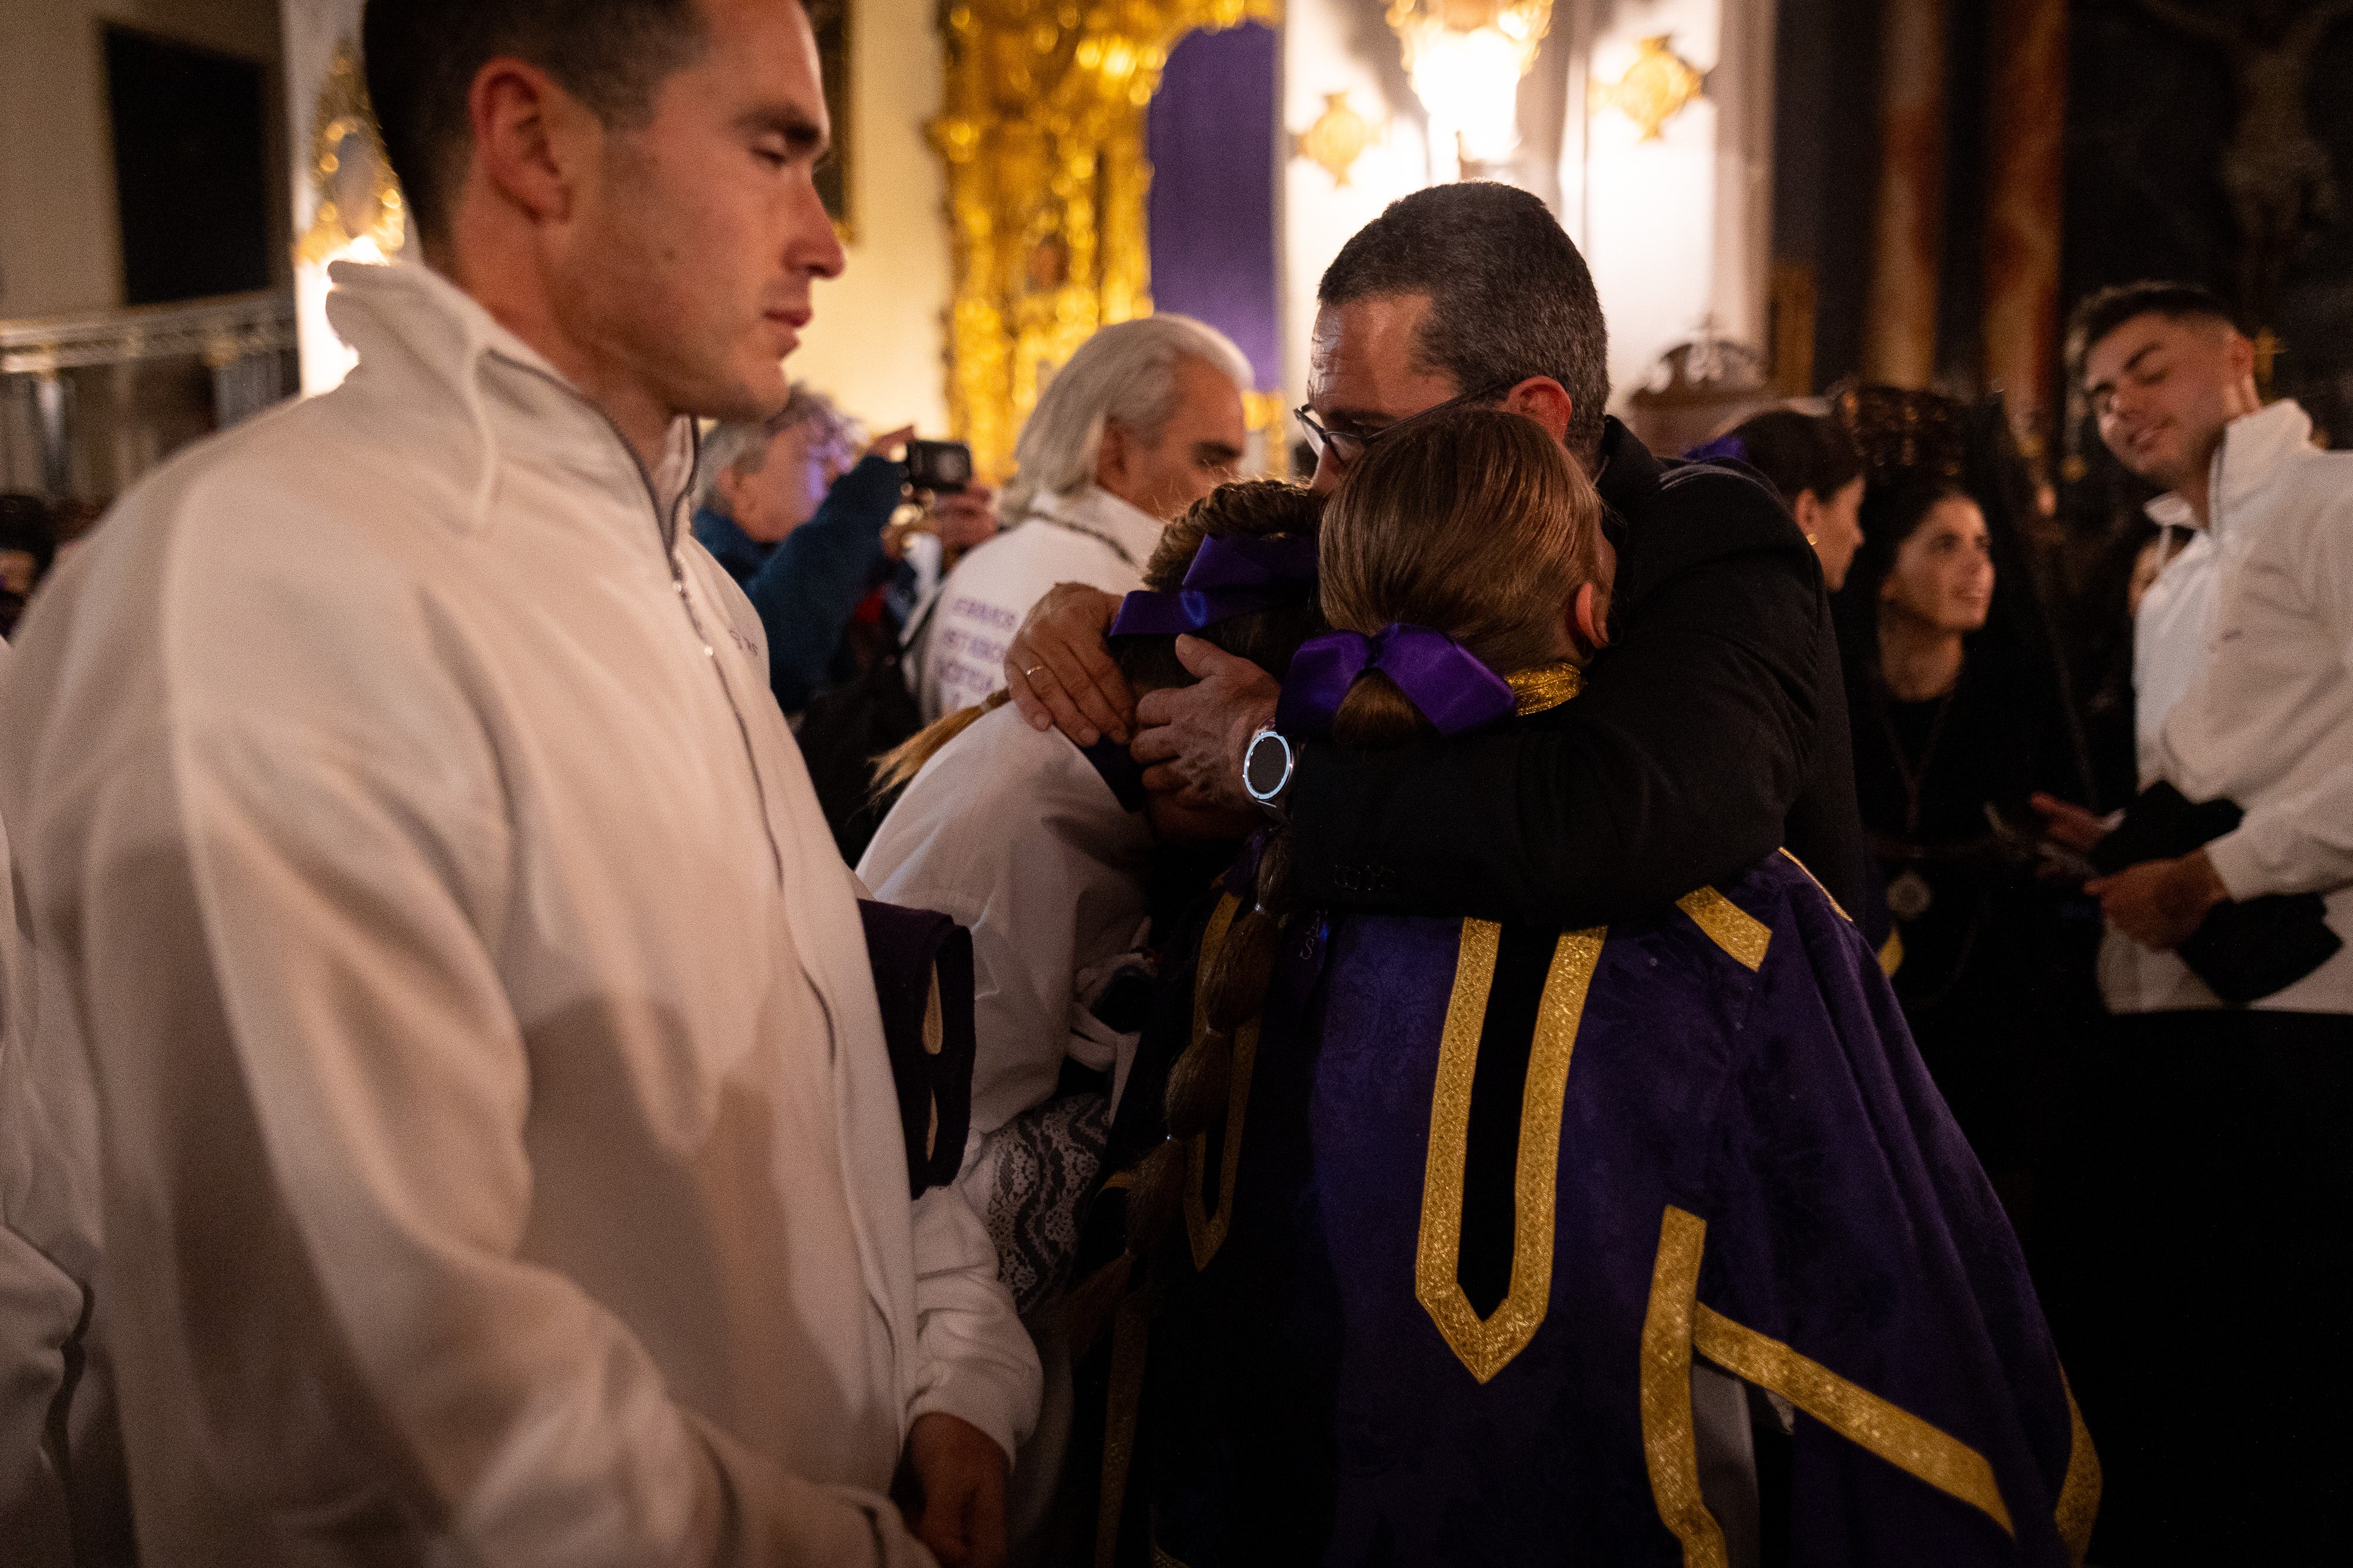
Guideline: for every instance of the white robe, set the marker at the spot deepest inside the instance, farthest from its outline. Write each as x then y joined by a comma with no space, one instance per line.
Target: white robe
1091,536
500,1159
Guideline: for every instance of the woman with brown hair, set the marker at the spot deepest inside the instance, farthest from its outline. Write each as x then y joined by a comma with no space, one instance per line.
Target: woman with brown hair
1469,1241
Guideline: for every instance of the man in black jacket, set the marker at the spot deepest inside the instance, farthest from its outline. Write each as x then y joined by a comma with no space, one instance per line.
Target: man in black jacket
1712,731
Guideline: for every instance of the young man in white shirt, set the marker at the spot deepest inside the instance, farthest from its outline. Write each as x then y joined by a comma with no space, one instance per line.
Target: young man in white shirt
1143,420
498,1157
2207,1215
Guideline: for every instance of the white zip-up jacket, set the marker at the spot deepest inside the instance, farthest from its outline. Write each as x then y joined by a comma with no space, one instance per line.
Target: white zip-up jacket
501,1161
2259,627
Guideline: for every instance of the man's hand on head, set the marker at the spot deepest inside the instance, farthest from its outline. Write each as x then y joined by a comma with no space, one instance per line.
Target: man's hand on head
1194,736
1061,671
959,1504
2160,904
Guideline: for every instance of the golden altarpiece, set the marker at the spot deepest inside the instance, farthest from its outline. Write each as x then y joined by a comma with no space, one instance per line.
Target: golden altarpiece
1043,132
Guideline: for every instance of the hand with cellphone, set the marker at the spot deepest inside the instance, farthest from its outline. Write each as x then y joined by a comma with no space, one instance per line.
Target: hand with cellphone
945,501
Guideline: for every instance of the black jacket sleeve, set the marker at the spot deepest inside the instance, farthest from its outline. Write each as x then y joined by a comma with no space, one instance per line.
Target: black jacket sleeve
1711,733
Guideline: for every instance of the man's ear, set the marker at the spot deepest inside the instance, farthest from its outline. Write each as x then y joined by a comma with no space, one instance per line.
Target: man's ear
1589,615
1546,401
1115,459
2241,352
732,488
521,119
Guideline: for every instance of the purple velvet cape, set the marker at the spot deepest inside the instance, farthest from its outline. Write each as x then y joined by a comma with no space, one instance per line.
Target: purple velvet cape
1750,1157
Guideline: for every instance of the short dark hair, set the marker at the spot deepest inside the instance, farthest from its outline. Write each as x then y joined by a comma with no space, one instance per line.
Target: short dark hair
1800,452
422,57
1509,295
2104,312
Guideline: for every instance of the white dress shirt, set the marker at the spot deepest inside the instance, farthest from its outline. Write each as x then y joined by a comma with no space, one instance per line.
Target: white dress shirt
501,1160
2248,662
1091,537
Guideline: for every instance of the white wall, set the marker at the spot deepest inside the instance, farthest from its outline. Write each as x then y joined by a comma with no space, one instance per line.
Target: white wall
60,246
880,340
1336,46
1677,229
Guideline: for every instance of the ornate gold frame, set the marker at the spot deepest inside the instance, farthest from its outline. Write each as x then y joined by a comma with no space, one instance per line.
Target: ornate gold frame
1043,137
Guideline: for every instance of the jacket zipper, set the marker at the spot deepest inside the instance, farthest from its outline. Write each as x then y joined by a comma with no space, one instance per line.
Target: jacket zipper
666,532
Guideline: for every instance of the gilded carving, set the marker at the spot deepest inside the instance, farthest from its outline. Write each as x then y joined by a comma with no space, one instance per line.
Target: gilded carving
1654,88
1336,139
358,198
1044,138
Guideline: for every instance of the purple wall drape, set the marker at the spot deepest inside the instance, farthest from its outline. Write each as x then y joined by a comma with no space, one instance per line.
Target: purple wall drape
1210,136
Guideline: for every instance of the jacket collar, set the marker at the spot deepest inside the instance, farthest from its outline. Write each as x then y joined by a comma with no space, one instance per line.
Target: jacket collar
1628,477
420,337
1097,510
2254,448
733,548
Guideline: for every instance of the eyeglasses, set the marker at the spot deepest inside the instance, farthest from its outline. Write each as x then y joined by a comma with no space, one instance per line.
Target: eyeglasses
1345,446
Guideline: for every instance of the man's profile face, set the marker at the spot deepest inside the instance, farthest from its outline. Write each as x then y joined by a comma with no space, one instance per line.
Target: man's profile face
2161,389
698,235
1199,448
1365,370
797,469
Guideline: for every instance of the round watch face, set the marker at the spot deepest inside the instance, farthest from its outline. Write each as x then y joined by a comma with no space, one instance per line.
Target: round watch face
1266,766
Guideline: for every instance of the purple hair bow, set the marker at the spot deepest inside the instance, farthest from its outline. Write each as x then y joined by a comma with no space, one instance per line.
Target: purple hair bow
1446,680
1229,577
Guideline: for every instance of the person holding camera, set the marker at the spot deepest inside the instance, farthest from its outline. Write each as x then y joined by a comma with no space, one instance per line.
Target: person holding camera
796,513
1143,420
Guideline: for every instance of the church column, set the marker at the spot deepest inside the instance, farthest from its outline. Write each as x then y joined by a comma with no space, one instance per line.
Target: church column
1900,326
2023,208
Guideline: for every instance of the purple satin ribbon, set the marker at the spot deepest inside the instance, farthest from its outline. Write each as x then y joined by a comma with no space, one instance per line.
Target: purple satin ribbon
1442,677
1229,577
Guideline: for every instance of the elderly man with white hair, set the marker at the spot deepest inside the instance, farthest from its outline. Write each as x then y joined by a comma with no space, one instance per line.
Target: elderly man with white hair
1143,420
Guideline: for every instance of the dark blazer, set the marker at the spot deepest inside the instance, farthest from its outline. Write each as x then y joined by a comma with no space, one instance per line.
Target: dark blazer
1712,731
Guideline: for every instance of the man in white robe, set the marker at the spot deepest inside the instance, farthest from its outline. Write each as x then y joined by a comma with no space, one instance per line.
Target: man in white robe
499,1159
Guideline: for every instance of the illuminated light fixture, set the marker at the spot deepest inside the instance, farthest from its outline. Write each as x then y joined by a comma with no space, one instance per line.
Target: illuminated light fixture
1656,87
1466,59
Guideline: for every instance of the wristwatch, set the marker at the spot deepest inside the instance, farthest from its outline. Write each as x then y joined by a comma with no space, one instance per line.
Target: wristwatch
1268,762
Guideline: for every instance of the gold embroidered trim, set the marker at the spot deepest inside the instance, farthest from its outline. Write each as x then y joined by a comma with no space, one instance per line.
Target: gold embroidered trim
1545,687
1891,954
1854,1412
1486,1346
1817,881
1129,1330
2079,1494
1206,1228
1731,928
1670,1443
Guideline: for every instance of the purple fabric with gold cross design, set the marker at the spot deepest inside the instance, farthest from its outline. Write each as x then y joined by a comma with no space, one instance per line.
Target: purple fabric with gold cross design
1498,1187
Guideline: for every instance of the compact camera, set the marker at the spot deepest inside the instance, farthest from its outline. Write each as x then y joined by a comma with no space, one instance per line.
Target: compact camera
939,466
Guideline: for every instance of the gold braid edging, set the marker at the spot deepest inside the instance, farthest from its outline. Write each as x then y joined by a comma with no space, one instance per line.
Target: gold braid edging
1854,1412
1670,1444
2079,1494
